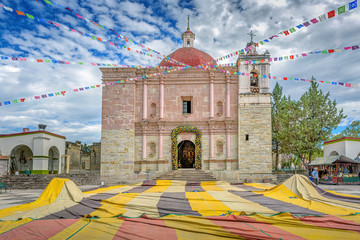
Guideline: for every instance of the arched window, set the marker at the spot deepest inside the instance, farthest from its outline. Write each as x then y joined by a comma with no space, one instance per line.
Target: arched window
153,110
152,152
219,108
334,153
219,147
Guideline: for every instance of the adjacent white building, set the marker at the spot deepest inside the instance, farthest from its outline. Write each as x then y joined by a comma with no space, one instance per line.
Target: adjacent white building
347,146
38,151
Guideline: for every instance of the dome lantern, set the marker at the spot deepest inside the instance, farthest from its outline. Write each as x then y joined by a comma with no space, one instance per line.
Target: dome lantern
188,36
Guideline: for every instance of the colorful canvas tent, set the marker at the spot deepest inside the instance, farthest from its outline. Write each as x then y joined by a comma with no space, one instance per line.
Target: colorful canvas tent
332,159
166,209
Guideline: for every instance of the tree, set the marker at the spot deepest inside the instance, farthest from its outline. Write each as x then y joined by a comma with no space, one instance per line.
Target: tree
353,130
319,116
289,135
85,148
284,119
276,121
300,127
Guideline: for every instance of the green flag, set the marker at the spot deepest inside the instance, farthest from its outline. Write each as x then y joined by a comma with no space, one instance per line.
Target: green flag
341,9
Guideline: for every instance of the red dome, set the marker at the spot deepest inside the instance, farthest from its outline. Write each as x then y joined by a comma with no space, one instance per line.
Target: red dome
188,55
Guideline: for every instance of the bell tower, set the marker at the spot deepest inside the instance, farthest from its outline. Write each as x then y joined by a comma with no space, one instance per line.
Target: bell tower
254,109
188,36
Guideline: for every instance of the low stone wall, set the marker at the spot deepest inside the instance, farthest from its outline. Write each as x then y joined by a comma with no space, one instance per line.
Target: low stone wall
129,177
239,177
41,181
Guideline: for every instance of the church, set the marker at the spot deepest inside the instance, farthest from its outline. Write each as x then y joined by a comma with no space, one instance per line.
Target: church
198,118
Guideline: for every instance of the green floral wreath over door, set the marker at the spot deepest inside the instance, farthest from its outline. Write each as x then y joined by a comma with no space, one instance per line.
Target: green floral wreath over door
174,147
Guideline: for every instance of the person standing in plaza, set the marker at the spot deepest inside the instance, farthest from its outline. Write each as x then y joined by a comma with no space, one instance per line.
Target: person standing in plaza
315,175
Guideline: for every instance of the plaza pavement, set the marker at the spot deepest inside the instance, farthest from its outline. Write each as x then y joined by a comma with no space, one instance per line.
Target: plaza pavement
22,196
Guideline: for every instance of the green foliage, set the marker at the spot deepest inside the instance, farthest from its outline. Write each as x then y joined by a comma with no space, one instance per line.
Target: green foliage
300,127
86,148
276,120
353,130
319,116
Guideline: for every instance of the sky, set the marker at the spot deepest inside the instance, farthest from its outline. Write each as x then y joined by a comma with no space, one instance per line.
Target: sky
221,27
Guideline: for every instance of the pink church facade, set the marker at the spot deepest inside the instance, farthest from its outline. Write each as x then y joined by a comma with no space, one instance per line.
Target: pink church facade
192,118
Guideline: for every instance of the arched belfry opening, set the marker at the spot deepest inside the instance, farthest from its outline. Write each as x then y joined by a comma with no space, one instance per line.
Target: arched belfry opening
254,81
186,156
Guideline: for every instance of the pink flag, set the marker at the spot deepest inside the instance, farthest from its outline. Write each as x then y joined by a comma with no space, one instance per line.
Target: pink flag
314,20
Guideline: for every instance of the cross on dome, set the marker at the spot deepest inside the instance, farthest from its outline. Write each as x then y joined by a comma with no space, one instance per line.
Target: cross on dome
251,34
188,28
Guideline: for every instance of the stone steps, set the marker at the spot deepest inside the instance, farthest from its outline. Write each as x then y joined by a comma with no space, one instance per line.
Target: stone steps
283,177
187,175
41,181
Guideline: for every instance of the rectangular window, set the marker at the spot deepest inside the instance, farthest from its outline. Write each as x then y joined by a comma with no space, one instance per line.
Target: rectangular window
186,106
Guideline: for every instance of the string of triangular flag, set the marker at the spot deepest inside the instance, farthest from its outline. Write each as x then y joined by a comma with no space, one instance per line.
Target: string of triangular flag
154,75
323,17
294,56
340,10
52,61
93,37
262,60
119,35
82,89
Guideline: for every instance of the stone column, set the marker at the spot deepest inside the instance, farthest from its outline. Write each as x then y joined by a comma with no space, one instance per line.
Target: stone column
67,164
211,145
227,96
144,154
211,100
161,142
145,99
228,145
211,141
161,98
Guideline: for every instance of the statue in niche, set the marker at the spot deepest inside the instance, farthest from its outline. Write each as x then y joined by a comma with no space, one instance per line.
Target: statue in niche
22,157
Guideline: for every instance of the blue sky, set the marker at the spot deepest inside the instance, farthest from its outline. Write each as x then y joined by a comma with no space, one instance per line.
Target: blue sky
221,27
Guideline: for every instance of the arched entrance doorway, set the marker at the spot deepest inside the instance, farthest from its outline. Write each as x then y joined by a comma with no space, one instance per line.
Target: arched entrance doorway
21,158
174,145
186,156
